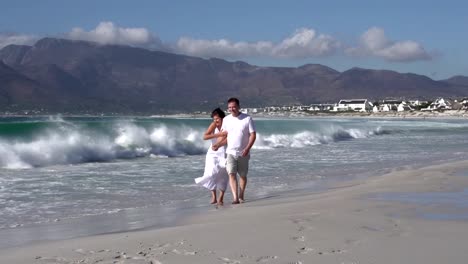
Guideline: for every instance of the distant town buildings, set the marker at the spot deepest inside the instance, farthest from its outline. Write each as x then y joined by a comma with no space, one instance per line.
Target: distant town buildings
364,105
344,105
439,104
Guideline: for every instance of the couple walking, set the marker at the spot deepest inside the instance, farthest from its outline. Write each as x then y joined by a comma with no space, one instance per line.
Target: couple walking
231,137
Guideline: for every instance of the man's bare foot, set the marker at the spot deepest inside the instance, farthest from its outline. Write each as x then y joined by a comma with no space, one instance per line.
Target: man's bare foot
241,200
221,203
235,202
213,202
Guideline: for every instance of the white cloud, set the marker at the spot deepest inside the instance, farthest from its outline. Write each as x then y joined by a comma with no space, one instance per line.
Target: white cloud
108,33
304,43
374,43
18,39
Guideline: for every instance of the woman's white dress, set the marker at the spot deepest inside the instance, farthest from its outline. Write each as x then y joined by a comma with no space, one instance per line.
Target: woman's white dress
215,175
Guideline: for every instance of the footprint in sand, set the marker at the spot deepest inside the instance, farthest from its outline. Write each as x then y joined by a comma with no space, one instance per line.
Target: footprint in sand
184,252
80,251
397,228
303,223
298,238
303,220
332,251
162,245
53,260
263,259
305,250
371,228
301,228
230,261
353,242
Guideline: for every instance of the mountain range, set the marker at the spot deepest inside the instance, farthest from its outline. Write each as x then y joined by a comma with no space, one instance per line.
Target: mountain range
59,75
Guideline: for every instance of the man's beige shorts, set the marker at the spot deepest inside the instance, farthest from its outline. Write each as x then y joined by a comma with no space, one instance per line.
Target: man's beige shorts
238,165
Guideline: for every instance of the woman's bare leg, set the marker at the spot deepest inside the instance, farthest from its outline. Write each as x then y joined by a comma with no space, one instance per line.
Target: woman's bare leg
213,197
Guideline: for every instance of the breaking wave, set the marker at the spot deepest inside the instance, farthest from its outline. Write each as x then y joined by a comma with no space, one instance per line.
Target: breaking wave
70,145
56,141
311,138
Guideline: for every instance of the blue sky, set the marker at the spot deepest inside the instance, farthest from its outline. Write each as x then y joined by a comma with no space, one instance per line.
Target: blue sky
422,37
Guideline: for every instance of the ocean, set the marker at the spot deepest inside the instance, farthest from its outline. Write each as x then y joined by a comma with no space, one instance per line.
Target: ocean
64,177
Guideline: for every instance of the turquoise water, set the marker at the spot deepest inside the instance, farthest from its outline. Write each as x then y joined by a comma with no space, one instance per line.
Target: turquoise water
55,168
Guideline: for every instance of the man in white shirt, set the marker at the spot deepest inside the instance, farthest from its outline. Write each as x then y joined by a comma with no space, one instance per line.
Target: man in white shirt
241,136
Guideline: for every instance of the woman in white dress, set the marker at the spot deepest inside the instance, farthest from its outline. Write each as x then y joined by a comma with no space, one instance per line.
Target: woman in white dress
215,176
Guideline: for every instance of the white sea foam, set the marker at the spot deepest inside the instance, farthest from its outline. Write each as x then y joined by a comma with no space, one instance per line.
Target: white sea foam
132,135
69,145
308,138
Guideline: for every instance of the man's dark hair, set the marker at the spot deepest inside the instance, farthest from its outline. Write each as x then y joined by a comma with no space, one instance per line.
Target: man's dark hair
233,99
218,112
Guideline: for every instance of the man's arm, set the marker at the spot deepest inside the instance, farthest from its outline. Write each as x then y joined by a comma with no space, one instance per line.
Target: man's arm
252,137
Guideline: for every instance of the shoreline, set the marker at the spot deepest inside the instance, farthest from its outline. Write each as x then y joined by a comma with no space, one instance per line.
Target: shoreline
349,223
417,115
459,114
390,115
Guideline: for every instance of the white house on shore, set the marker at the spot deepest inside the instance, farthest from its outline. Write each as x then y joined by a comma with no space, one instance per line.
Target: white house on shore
392,105
404,106
386,107
320,107
358,105
464,103
439,104
417,103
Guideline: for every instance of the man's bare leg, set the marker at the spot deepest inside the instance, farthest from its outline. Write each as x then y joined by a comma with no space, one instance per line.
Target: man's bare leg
233,184
221,197
213,197
242,185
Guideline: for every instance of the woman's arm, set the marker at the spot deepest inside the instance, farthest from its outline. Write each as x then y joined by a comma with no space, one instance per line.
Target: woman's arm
209,132
219,143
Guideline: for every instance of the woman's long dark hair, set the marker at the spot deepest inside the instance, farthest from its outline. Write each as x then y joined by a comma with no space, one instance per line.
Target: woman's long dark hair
218,112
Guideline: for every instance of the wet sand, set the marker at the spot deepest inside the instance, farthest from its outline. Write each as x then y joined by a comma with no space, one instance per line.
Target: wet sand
373,220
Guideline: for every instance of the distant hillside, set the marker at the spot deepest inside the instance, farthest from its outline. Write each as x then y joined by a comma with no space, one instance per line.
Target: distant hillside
457,80
76,76
16,88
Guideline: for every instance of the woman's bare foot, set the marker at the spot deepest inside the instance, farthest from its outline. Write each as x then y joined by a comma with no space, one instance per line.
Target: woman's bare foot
220,203
235,202
213,202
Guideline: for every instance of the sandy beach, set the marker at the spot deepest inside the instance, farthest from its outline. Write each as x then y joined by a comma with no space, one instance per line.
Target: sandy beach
400,217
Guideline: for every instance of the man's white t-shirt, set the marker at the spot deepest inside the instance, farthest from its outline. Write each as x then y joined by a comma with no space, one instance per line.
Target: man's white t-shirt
239,129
